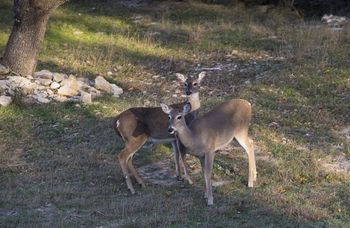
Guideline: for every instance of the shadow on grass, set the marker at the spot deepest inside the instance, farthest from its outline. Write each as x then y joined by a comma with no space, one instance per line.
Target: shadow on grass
61,170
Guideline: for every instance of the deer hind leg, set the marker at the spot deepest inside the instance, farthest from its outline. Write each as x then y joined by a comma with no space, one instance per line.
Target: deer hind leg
135,173
125,159
247,144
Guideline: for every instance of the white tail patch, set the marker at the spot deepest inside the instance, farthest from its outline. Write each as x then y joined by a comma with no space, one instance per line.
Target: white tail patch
118,123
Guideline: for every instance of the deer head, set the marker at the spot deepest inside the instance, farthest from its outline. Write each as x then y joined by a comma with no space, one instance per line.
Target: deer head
191,83
176,116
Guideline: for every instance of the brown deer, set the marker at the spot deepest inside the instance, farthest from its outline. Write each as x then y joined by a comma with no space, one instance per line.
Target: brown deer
139,124
213,131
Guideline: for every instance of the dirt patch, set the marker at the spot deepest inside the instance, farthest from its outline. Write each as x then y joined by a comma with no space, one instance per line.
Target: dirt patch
159,173
340,163
337,164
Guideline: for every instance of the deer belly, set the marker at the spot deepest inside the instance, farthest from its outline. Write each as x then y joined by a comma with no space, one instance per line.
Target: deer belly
161,141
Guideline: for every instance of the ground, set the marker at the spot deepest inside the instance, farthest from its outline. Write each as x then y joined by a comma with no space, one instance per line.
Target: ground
58,161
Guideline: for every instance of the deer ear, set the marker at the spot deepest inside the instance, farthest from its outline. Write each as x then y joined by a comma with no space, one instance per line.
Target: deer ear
201,75
181,77
165,108
187,108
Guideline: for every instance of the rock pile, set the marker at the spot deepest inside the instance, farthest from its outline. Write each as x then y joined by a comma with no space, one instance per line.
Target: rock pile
334,22
45,86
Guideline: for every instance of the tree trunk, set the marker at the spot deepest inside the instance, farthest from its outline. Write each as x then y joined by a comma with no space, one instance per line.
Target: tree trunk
24,44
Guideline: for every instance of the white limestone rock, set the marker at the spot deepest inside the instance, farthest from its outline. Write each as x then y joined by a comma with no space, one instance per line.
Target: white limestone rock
22,83
5,100
85,97
60,98
42,98
58,77
102,84
66,90
4,70
71,81
3,86
43,74
94,92
55,85
116,90
44,81
69,87
50,92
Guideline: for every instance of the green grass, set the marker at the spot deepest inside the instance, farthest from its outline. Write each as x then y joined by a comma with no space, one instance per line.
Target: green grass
58,162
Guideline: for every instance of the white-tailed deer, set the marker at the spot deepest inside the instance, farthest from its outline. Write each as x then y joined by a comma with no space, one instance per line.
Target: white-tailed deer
213,131
139,124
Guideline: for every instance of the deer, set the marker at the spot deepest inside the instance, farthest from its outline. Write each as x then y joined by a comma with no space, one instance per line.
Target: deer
211,132
138,125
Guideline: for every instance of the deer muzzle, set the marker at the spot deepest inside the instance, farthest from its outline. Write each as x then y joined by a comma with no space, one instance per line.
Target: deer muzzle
171,130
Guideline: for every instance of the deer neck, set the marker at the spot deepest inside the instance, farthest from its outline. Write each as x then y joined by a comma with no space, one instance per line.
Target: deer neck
185,135
193,99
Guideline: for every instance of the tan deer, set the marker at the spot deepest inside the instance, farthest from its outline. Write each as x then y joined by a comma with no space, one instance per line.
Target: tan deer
139,124
213,131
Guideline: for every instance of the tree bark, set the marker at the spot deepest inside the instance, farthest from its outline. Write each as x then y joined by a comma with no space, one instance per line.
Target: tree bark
24,44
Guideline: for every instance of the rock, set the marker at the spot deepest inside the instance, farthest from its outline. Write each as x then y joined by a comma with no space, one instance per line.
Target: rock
116,90
103,84
42,98
55,85
334,21
57,77
18,82
3,86
66,90
4,70
83,85
44,81
60,98
94,92
71,81
50,92
43,74
5,100
69,87
85,97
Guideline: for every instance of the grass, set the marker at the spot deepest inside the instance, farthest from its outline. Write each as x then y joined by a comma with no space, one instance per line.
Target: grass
58,161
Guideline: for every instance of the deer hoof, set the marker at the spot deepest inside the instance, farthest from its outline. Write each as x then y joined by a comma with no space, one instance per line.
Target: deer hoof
190,182
180,178
250,184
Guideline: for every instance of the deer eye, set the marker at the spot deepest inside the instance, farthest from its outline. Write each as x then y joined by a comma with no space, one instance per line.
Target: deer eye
169,117
195,84
179,117
186,84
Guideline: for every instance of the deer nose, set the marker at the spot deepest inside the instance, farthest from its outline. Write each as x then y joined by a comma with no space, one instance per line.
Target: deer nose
171,130
188,92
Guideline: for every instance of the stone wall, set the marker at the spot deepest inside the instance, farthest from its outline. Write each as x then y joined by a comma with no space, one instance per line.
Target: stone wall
45,86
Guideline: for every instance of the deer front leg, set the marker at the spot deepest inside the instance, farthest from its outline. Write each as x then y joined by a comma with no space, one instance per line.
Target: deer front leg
208,167
177,159
184,162
202,160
